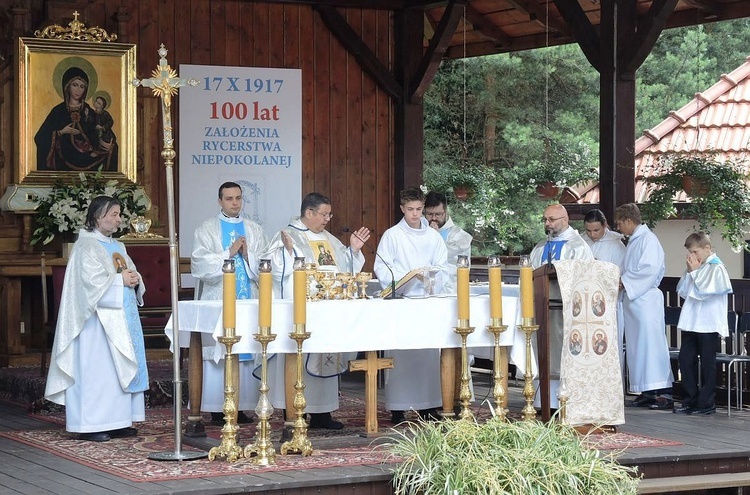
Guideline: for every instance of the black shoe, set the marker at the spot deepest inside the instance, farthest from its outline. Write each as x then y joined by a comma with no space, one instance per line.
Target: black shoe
287,433
640,401
95,437
397,417
325,421
123,432
683,410
662,404
217,418
704,410
429,415
244,419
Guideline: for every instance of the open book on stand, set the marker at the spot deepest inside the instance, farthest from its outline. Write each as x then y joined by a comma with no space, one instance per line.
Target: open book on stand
405,283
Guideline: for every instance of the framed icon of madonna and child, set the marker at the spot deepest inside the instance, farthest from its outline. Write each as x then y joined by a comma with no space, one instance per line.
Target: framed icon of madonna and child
76,109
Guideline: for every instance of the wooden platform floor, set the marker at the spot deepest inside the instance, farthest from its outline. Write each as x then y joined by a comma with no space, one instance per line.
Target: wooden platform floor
28,471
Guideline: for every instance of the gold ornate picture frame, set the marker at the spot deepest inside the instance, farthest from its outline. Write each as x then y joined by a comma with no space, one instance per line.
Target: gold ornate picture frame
76,110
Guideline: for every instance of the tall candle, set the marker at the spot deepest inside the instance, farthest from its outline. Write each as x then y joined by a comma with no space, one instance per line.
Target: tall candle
496,292
462,287
527,293
300,296
229,307
264,299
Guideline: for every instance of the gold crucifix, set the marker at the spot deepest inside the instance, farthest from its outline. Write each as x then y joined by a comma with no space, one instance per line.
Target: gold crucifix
164,82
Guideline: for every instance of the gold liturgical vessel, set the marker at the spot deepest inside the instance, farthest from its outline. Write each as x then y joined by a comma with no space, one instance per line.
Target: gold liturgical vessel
229,449
262,451
300,443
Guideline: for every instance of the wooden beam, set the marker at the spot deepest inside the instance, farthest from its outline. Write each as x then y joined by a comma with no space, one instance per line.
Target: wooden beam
540,14
582,30
361,52
435,51
484,26
649,28
710,9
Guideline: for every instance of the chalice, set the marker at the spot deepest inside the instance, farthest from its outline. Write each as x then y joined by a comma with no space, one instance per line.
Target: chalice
318,276
362,279
329,278
346,280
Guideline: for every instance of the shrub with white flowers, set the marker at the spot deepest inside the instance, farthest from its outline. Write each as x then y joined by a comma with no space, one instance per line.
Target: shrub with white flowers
63,211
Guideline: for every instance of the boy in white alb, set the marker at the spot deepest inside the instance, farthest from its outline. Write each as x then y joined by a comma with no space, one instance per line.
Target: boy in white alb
414,382
704,286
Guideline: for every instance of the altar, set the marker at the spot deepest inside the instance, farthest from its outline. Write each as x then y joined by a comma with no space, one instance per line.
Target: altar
359,325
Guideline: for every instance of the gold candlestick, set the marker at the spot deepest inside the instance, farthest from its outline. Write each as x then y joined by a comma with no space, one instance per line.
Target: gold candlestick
228,448
299,443
463,329
496,328
528,412
261,452
563,395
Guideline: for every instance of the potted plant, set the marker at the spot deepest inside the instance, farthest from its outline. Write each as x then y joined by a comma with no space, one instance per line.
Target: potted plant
718,191
516,457
62,212
558,166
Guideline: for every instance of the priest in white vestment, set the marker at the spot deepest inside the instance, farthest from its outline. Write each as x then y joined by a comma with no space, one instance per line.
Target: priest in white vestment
606,246
604,243
457,240
306,236
98,362
228,235
563,242
414,381
647,357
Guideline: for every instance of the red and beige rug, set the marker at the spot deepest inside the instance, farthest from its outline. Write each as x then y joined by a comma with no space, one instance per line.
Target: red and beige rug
128,457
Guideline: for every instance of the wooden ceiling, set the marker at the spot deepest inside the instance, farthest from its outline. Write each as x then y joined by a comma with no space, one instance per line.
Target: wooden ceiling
501,26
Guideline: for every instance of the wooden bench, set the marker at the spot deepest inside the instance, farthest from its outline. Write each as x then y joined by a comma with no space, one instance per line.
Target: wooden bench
691,483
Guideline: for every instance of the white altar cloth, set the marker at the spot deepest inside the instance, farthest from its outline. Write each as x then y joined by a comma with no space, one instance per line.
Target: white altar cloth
361,325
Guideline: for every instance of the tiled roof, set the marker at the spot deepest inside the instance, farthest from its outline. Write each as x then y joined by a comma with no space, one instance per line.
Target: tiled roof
716,120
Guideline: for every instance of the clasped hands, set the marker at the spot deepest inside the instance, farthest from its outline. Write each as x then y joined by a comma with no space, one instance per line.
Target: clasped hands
238,246
130,278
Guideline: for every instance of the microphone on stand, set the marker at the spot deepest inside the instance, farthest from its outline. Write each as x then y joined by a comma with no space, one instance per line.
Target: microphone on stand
392,295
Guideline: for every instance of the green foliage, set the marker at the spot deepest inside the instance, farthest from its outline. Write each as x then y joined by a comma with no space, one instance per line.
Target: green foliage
63,210
724,200
503,458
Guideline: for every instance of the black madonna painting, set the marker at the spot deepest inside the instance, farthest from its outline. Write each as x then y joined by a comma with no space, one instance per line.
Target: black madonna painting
77,134
77,109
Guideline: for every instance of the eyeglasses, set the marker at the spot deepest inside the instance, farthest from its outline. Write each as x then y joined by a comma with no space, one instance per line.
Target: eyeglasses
550,219
327,216
434,213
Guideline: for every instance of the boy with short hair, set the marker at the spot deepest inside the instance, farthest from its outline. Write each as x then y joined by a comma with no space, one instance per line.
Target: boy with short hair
704,286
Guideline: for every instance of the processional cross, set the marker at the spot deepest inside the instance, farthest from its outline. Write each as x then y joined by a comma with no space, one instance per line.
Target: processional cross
370,365
164,83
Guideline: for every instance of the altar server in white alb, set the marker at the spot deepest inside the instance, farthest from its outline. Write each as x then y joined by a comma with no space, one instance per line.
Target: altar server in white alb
563,242
414,382
649,370
306,236
228,235
703,319
457,240
98,365
605,244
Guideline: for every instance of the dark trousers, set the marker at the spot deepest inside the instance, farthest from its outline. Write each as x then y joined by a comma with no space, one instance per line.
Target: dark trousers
694,345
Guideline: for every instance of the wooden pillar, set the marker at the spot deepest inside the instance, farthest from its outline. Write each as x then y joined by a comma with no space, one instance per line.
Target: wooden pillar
194,426
408,122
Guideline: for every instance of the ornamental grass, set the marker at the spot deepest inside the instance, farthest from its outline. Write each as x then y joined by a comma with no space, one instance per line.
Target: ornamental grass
503,458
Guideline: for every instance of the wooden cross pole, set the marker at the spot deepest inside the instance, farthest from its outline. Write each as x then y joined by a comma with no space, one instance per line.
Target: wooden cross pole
164,83
370,365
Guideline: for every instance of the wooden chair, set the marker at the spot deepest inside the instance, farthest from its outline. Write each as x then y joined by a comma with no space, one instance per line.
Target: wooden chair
152,260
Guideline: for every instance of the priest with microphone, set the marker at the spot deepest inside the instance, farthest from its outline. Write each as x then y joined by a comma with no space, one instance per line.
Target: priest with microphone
306,236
